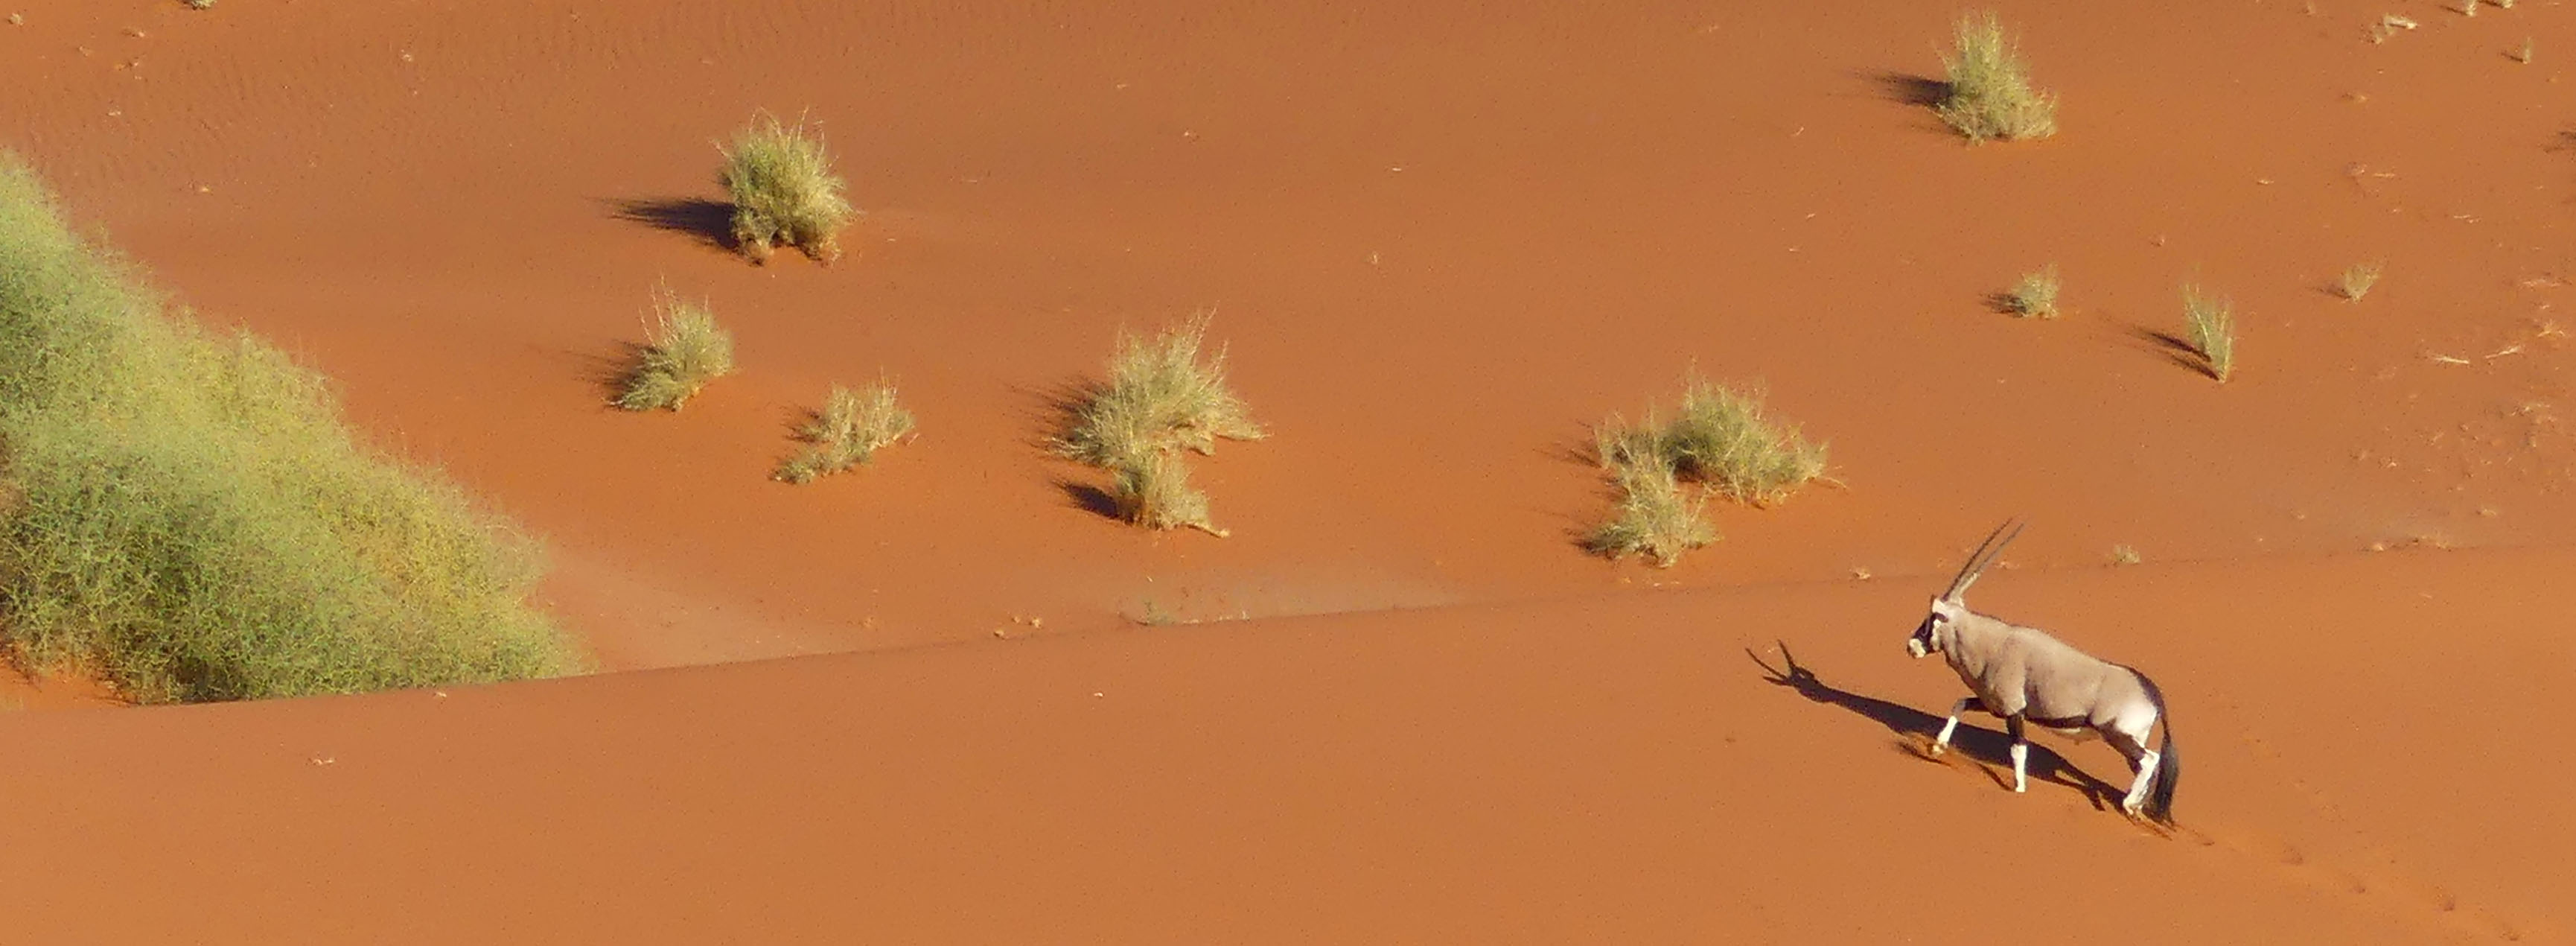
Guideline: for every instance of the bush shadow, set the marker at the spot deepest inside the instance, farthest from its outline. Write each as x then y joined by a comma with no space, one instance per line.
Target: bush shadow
1049,413
609,374
1089,498
1583,451
710,221
1906,88
2172,347
1914,730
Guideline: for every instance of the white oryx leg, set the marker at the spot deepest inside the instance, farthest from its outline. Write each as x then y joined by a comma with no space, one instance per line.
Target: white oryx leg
1941,743
2138,789
2020,754
2134,746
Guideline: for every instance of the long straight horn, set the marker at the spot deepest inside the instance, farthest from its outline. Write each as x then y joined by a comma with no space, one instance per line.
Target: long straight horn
1983,557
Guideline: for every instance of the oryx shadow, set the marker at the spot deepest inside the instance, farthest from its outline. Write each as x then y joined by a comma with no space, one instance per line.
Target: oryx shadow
1914,730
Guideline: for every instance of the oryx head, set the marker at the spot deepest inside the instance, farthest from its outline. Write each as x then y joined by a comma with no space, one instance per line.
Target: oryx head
1933,635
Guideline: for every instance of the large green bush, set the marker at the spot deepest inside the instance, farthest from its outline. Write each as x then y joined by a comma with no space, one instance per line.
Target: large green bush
185,514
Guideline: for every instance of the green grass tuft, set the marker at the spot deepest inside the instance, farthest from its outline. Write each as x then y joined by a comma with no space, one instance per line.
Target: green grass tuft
2211,324
784,191
2035,296
1162,394
684,349
2357,280
187,516
1990,95
847,432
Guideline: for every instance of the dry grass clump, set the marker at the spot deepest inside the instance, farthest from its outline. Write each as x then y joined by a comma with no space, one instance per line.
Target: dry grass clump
1722,441
684,349
1722,438
1153,490
1654,517
1990,94
2211,326
1163,395
847,432
2357,280
784,190
189,517
2035,296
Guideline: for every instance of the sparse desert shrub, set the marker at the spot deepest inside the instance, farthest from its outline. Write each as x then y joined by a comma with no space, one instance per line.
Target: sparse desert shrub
2357,280
1654,517
2211,323
1720,440
1152,489
784,190
1989,88
1162,394
1722,437
848,431
2035,295
188,517
684,349
1619,446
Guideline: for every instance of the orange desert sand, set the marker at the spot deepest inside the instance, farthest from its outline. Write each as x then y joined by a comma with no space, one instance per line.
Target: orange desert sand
916,703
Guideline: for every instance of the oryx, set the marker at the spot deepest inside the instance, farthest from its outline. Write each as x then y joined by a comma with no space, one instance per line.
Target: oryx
2021,673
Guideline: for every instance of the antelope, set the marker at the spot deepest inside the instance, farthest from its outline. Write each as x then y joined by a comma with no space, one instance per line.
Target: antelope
2022,674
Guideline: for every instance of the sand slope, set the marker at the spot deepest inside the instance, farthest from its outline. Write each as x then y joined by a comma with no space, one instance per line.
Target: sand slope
1575,771
1440,241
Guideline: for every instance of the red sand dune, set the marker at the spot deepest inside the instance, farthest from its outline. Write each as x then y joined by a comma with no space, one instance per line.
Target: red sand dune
1441,239
2363,765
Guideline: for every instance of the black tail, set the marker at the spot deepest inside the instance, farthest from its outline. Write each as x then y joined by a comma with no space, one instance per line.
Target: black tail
2160,792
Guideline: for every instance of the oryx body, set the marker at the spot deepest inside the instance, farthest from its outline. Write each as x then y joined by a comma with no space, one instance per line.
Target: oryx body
2023,675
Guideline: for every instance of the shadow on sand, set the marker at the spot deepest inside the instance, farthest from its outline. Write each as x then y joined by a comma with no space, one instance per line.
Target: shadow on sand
2172,347
1905,88
710,221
